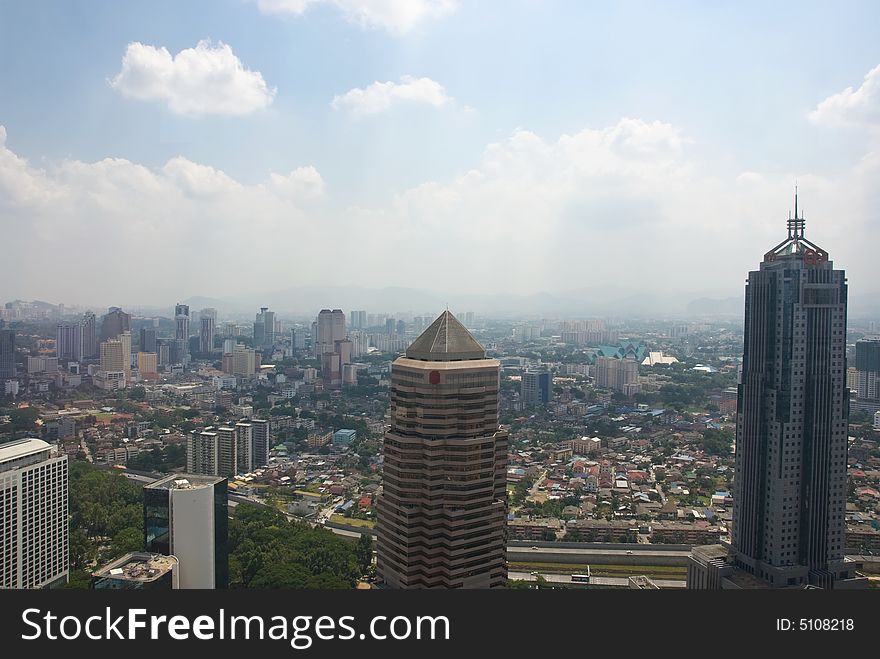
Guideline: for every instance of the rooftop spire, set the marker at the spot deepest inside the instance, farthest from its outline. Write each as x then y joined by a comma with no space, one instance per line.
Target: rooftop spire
797,224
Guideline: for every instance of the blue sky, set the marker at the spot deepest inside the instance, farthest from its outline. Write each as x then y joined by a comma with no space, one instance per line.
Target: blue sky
721,91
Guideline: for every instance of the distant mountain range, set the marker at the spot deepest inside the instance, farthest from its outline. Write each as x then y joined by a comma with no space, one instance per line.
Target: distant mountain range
605,301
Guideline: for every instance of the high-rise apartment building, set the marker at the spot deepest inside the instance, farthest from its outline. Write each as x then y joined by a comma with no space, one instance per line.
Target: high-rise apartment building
331,369
181,330
228,450
244,361
536,388
260,443
202,452
358,319
208,324
148,365
69,341
186,516
868,374
330,328
7,354
112,355
441,517
89,336
617,374
33,515
244,447
77,340
163,351
298,338
264,328
791,433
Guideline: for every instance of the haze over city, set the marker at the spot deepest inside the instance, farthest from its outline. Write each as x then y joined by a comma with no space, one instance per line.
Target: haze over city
626,157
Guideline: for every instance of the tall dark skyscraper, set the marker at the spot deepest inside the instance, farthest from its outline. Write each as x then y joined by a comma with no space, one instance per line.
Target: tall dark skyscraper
89,336
442,513
148,339
791,434
114,323
7,354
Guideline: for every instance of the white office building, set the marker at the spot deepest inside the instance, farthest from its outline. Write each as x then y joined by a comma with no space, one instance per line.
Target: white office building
33,515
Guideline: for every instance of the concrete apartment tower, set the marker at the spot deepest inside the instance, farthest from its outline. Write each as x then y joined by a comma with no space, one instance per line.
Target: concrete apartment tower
791,431
442,513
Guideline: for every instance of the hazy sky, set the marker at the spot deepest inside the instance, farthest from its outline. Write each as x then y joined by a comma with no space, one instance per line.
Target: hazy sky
153,151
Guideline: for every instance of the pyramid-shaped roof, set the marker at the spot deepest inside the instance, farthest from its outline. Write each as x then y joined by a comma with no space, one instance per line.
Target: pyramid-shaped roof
445,340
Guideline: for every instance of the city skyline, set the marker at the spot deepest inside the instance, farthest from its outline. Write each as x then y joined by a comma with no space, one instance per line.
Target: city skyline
531,136
439,294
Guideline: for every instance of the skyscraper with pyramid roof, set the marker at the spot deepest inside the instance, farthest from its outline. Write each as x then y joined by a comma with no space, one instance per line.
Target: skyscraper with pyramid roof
442,513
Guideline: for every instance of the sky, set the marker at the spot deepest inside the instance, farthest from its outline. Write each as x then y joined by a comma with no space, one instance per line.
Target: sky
155,151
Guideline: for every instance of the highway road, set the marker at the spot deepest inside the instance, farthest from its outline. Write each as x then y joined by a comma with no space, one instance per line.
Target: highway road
585,553
594,580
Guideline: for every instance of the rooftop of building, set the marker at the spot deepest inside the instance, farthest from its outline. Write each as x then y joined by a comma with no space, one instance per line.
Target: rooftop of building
185,482
446,339
137,567
21,448
707,553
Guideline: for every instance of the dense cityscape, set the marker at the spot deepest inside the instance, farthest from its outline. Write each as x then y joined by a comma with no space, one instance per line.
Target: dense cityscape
548,302
204,449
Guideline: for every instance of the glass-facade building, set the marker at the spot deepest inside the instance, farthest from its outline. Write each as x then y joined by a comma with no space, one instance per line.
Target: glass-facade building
186,515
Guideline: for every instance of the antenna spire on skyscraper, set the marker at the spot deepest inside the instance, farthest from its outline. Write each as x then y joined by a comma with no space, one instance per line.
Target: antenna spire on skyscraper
796,224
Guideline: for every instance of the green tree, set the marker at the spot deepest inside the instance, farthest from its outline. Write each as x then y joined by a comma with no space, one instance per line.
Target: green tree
23,419
267,551
128,540
717,442
81,549
364,552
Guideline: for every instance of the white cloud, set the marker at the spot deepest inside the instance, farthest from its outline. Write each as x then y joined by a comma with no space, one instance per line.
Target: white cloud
397,16
858,107
627,206
198,180
207,79
301,183
381,96
124,219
